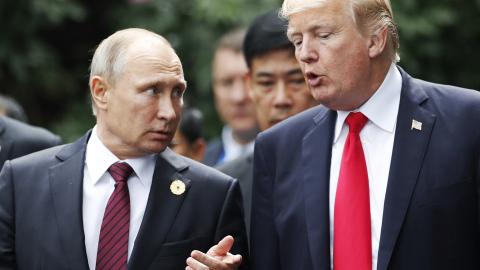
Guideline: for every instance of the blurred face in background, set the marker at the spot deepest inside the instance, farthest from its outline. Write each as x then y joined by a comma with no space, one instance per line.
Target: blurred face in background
182,146
277,87
232,101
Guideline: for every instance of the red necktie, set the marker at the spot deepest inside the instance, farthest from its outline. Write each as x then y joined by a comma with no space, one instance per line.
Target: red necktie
112,251
352,244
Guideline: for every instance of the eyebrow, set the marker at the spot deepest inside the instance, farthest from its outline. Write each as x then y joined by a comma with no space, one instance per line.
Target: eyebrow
295,71
311,28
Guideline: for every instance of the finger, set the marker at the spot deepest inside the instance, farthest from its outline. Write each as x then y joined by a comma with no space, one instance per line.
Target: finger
193,264
207,260
223,247
228,261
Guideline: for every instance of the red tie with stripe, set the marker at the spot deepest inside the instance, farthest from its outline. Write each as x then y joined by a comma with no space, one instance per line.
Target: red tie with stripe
112,251
352,246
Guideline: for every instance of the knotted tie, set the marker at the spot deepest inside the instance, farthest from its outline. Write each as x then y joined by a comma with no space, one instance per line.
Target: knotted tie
352,246
112,251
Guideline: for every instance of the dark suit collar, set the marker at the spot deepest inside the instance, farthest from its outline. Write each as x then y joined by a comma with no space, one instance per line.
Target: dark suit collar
316,156
66,183
410,146
162,208
66,180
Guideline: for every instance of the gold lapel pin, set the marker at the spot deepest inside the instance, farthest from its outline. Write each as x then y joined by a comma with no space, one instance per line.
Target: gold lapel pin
177,187
416,125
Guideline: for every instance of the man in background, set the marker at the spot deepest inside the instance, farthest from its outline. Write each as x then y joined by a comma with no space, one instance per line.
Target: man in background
18,139
232,102
385,174
189,140
276,86
118,197
11,108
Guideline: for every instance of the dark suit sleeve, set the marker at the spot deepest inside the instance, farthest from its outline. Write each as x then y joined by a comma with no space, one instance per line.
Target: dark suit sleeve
231,223
263,239
7,219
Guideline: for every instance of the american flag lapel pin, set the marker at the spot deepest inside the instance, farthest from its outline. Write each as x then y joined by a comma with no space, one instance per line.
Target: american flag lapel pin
416,125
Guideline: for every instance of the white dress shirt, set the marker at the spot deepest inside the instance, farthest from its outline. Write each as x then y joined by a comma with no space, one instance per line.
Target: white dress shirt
98,185
232,149
377,138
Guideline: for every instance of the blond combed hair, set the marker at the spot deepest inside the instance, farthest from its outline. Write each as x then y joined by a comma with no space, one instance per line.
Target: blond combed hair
370,16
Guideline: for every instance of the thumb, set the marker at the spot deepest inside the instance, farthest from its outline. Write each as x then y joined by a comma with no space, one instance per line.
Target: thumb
223,247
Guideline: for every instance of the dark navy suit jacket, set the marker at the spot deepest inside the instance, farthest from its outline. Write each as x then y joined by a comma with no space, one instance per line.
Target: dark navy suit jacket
431,218
41,225
18,139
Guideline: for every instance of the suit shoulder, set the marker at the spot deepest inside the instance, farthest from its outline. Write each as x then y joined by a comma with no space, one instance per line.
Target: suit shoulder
197,171
236,166
294,127
24,133
38,159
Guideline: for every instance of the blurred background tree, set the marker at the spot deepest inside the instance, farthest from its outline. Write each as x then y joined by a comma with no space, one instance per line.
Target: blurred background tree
46,46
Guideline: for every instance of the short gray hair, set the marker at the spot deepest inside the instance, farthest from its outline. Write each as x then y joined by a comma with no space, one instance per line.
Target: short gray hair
370,15
109,58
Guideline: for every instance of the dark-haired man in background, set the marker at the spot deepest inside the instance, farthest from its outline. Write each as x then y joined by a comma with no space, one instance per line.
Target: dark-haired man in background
189,140
276,86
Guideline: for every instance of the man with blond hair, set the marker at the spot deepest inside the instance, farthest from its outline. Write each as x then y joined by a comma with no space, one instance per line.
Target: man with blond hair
385,175
119,198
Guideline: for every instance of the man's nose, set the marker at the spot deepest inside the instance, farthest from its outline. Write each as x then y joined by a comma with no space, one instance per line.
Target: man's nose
239,92
306,53
166,109
282,98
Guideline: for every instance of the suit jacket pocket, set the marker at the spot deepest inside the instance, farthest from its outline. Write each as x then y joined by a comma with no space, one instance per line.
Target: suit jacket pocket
173,255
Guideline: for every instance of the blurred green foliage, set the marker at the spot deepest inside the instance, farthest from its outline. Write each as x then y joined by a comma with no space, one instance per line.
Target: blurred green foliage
46,46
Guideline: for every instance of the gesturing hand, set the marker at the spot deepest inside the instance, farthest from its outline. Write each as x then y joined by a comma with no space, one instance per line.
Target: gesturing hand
218,257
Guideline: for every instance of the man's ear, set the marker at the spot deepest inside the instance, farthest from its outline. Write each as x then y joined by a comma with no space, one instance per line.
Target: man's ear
99,90
378,42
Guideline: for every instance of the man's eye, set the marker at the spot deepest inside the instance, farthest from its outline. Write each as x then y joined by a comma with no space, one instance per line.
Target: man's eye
324,35
298,81
226,82
266,83
297,42
152,91
177,92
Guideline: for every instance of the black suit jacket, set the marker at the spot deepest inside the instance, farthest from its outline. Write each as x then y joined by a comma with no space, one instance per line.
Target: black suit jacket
41,225
18,139
214,152
241,169
431,218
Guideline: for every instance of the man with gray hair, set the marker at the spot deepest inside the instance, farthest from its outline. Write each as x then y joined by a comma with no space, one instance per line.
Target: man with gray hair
385,174
119,198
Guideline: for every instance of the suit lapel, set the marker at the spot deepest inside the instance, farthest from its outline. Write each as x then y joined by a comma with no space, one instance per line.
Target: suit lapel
66,180
408,154
316,158
161,210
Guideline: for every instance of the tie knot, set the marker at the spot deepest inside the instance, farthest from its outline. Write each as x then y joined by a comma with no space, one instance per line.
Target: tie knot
356,121
120,171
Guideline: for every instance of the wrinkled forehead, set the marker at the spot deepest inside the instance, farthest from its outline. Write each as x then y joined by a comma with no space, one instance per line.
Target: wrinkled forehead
158,55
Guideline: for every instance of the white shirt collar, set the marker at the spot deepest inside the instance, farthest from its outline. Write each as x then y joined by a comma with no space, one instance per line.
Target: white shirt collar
99,158
381,108
233,149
